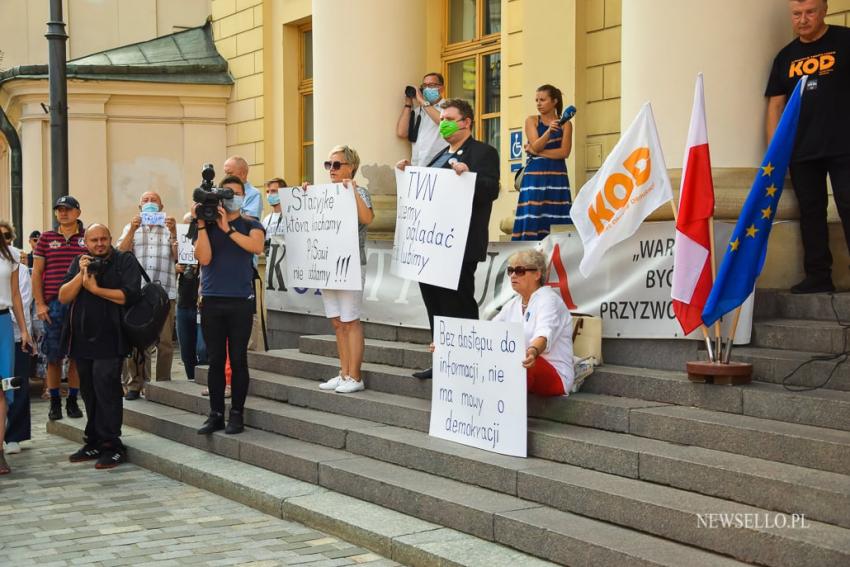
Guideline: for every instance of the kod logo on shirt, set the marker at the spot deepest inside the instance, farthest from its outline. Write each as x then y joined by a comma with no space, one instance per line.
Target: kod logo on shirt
820,64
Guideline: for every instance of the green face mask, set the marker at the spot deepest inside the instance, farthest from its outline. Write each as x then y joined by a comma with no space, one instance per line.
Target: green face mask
448,128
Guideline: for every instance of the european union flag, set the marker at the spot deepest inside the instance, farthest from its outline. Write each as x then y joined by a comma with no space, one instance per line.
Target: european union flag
744,258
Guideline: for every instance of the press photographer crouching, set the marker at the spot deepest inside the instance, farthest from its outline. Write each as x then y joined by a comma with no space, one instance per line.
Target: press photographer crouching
225,249
97,284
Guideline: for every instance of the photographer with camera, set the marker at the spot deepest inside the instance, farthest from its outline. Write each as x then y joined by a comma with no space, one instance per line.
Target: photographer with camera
152,239
225,249
420,125
98,284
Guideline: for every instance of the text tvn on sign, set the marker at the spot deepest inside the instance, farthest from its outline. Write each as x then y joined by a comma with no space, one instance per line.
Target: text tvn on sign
604,209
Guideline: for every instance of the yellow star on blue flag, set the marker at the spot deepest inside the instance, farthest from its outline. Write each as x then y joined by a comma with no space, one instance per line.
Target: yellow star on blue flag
738,272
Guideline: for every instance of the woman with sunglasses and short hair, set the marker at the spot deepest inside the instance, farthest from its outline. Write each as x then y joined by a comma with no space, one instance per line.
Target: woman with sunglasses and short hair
343,307
546,322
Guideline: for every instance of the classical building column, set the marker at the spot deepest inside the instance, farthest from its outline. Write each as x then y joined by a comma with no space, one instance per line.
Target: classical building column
733,44
364,53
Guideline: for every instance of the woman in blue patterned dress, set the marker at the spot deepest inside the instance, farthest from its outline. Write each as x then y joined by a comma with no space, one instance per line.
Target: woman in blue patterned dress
544,196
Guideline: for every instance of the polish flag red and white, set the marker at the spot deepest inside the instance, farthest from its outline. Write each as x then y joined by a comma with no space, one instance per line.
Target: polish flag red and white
692,277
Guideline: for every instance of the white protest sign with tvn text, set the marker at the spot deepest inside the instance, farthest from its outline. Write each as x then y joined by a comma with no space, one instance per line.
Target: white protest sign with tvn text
185,248
479,387
320,231
432,223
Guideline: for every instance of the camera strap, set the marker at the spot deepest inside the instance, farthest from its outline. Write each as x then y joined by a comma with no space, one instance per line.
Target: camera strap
413,126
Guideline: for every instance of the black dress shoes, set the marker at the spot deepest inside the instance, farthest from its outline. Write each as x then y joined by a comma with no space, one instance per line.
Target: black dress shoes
215,422
426,374
813,285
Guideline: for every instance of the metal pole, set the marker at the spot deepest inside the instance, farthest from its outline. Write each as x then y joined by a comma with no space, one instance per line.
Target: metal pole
56,38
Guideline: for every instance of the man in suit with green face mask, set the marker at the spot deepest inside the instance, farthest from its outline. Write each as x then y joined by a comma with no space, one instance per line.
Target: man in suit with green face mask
463,153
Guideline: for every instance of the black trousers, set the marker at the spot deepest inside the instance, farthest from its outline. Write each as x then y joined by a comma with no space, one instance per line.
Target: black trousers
440,301
226,323
100,386
19,427
809,179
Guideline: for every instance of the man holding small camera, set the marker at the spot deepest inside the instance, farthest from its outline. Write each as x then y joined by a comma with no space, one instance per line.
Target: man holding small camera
225,249
98,283
420,124
152,238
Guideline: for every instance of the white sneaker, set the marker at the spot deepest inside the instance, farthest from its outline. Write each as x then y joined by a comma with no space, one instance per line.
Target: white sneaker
349,385
13,448
332,383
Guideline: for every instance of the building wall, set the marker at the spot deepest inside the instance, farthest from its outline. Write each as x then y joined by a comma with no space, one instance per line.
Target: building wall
239,32
92,25
600,115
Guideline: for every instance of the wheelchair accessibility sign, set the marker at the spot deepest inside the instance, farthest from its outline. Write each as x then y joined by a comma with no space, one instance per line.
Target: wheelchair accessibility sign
516,144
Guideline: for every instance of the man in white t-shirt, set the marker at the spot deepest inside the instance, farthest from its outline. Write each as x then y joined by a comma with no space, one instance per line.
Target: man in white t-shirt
273,222
420,124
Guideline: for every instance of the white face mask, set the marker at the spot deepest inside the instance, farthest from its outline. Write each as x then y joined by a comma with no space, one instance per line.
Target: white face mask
233,205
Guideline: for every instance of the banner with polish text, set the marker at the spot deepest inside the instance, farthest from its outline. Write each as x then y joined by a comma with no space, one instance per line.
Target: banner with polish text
630,289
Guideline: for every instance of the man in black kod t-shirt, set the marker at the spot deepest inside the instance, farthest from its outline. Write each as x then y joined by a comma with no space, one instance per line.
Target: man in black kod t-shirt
822,145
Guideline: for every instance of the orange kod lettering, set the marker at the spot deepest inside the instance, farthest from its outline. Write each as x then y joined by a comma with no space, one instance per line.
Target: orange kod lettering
811,65
600,211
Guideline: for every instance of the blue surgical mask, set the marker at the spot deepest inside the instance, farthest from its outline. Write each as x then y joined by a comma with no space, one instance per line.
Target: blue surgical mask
150,208
431,94
233,205
274,199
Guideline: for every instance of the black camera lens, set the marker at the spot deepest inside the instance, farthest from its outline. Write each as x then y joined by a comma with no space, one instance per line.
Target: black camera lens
410,91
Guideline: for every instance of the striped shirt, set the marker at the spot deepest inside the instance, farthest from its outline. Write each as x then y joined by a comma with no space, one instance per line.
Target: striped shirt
58,252
152,248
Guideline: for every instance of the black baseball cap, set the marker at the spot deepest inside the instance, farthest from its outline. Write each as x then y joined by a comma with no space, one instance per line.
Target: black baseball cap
35,234
66,201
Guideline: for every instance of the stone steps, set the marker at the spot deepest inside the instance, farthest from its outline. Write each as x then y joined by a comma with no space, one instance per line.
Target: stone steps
773,365
400,537
580,499
821,408
816,306
774,486
800,334
790,443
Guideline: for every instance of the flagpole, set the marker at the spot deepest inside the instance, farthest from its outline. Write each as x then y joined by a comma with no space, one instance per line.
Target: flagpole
718,346
706,338
731,340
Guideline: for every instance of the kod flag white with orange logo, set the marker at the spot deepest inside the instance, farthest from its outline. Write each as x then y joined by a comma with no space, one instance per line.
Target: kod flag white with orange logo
631,184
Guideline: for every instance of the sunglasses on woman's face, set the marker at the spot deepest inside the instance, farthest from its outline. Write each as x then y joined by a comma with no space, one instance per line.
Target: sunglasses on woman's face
334,165
7,235
520,270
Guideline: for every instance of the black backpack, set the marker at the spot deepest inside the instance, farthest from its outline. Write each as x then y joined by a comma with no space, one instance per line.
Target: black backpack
142,321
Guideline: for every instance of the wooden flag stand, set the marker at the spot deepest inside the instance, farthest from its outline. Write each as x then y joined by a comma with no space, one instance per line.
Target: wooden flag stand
718,369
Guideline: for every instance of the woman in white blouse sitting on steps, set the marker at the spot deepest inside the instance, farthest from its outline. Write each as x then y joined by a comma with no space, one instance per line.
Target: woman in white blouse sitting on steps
547,324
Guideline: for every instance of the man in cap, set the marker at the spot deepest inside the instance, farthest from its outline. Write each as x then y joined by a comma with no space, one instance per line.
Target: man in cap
55,251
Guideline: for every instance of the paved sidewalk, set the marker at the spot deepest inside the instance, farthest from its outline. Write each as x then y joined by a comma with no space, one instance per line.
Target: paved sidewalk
53,512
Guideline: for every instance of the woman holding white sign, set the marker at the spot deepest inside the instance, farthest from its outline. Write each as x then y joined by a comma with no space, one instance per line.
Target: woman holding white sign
343,307
547,324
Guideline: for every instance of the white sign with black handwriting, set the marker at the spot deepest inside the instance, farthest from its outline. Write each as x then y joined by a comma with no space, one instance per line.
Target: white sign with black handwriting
322,242
478,396
432,223
185,247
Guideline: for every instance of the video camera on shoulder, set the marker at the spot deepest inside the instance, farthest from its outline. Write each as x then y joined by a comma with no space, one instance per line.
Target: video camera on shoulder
208,196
